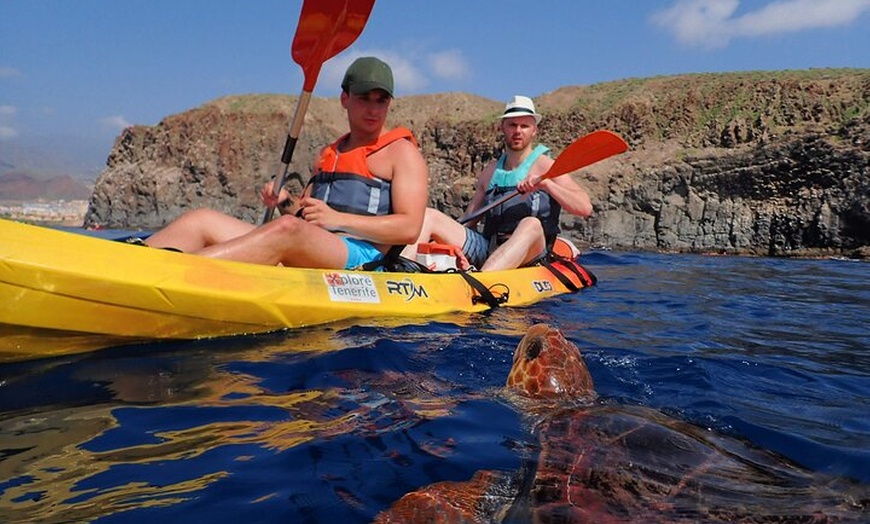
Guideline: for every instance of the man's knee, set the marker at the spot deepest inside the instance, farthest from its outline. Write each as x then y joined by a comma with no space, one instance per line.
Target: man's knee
195,215
530,225
436,218
199,218
284,226
530,231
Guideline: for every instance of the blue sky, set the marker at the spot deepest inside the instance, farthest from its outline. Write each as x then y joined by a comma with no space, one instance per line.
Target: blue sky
87,68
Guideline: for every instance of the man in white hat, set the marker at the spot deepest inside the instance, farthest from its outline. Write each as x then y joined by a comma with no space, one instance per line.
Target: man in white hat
522,229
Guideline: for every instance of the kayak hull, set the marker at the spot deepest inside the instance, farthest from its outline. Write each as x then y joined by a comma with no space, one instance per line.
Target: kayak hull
54,284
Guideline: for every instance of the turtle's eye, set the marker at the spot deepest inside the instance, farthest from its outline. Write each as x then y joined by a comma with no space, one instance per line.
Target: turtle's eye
534,349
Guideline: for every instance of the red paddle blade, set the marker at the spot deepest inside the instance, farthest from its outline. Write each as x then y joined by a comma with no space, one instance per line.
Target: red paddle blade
326,28
585,151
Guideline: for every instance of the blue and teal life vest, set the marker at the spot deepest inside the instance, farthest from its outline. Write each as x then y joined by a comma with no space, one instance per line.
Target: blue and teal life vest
502,220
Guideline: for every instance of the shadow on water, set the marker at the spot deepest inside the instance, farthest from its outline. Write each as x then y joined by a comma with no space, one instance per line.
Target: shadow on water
334,424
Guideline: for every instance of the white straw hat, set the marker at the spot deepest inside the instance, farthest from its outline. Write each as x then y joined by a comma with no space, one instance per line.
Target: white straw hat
521,106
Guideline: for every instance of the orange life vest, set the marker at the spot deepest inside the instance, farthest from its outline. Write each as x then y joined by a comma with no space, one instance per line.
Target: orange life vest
343,179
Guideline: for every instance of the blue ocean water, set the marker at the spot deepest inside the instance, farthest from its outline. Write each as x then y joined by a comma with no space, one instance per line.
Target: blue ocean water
333,424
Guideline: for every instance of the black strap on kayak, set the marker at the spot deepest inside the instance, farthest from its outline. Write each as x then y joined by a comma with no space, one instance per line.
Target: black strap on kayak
567,282
585,277
485,294
392,261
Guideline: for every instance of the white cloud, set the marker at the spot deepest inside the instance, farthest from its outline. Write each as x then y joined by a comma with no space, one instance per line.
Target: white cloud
406,75
7,132
7,111
413,70
711,23
799,15
698,21
9,72
450,65
117,122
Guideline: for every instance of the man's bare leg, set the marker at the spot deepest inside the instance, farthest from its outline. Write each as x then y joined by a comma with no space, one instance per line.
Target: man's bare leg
197,229
438,227
525,244
287,240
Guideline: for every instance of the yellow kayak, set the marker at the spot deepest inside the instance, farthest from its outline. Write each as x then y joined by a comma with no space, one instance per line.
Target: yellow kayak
58,289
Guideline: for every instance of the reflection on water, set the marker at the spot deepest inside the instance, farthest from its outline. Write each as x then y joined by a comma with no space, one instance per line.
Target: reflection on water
336,423
150,411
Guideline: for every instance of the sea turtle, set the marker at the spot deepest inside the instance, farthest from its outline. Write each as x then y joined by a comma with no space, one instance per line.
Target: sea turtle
603,463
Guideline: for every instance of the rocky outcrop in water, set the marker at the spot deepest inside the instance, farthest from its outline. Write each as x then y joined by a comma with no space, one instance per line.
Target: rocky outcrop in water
754,163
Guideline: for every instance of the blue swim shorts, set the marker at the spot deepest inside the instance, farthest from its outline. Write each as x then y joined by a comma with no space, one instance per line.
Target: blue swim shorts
359,252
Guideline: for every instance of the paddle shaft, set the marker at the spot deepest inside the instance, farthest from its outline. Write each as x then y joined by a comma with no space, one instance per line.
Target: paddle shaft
482,211
289,147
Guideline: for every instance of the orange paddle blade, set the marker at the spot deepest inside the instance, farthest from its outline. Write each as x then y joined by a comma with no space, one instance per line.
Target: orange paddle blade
326,28
585,151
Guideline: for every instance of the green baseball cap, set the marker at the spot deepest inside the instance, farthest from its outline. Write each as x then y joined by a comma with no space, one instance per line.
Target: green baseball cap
367,73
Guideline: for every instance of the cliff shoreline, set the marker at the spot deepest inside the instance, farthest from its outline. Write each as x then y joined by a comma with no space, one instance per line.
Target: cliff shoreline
760,163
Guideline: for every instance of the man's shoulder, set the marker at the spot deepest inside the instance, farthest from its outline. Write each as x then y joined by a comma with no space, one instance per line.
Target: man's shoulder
403,146
489,168
544,161
403,155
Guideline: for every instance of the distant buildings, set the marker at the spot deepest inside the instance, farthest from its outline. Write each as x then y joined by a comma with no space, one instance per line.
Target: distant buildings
57,212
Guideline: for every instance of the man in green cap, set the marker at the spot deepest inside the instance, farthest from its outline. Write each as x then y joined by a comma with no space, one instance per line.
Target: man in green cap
368,192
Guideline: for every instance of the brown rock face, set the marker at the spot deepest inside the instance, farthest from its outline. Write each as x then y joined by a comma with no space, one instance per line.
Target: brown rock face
772,163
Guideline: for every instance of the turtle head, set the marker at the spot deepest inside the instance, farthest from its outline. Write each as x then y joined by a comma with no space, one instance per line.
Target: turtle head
547,366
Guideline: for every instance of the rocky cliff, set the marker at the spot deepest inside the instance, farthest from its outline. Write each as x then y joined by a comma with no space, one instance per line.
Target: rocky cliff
772,163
